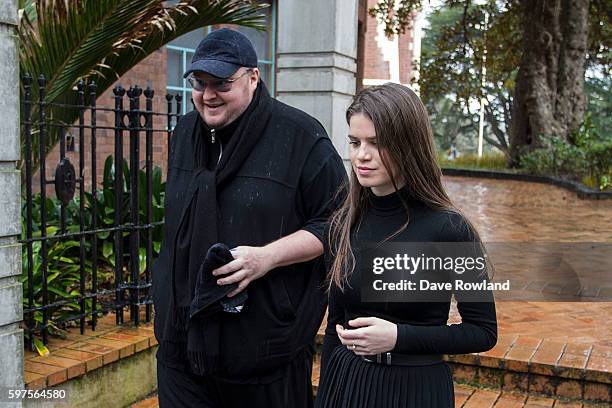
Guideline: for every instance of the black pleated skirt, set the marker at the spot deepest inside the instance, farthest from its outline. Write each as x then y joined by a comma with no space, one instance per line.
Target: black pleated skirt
351,382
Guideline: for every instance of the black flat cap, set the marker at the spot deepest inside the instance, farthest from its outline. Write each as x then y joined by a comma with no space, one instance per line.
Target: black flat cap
222,52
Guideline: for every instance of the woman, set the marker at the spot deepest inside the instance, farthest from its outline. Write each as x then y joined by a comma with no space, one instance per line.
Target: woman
390,354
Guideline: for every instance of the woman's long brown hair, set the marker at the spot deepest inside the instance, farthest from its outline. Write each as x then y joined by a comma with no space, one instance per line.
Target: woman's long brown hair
405,141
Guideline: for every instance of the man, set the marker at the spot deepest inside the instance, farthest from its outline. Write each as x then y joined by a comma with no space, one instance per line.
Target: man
259,176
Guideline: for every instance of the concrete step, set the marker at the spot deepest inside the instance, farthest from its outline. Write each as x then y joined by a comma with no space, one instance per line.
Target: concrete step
467,396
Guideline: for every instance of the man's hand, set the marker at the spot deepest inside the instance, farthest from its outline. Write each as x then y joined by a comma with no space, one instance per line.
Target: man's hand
370,336
249,263
252,263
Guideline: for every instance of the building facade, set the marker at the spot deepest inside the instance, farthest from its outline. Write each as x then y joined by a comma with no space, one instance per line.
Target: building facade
389,59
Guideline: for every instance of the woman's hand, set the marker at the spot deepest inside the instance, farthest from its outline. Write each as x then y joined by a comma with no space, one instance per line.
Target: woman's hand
370,335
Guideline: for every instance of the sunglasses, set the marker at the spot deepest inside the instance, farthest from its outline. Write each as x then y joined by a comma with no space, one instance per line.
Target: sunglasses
218,85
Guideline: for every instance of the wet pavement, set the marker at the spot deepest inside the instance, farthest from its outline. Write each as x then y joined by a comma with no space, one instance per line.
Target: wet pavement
506,211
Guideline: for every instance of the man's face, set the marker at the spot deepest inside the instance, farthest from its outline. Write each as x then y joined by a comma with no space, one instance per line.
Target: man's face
219,109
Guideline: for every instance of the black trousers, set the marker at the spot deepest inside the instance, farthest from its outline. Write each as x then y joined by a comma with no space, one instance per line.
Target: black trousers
179,389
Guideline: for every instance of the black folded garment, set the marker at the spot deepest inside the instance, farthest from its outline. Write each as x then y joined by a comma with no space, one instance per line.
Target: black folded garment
209,301
209,297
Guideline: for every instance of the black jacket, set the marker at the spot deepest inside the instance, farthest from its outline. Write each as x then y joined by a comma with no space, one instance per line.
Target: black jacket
287,184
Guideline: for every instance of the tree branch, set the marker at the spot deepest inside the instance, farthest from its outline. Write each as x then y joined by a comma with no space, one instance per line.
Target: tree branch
499,134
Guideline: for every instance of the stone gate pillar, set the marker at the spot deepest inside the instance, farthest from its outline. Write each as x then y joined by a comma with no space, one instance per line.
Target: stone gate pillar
11,312
316,60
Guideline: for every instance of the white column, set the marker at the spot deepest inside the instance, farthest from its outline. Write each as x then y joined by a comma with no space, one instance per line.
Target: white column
11,312
316,61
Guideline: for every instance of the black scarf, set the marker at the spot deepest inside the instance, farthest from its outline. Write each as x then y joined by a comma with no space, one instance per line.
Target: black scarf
197,230
210,299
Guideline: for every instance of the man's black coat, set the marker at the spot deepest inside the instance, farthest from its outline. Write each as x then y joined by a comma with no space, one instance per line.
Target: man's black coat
288,183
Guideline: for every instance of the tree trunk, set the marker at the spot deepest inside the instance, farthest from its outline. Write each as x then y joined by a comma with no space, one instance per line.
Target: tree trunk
549,94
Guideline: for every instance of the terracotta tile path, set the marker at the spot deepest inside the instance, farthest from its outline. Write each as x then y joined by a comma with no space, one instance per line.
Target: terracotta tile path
471,397
509,211
506,210
79,354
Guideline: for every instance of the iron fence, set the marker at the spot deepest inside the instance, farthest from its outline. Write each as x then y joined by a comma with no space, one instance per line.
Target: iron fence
129,237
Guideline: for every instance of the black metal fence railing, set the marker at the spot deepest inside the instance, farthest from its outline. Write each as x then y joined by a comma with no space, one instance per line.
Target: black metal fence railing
88,254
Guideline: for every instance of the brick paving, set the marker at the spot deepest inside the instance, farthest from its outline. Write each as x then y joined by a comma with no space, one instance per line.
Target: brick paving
507,210
558,344
79,354
515,211
472,397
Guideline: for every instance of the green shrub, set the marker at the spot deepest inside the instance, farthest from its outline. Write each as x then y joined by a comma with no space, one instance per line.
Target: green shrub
599,159
492,161
557,158
63,278
588,161
105,202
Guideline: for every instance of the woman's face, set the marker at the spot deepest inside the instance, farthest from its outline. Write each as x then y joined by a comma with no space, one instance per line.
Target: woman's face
365,156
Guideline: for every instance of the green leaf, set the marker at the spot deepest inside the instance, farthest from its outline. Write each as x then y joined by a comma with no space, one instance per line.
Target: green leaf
107,250
142,258
58,292
108,168
40,347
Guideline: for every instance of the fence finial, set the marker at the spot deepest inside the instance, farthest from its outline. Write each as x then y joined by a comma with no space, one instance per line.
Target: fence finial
134,91
119,90
148,93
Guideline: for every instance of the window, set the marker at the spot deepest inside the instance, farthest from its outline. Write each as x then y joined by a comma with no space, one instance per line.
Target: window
180,52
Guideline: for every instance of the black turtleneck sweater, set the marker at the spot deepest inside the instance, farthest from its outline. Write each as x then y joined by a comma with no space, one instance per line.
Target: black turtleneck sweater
422,327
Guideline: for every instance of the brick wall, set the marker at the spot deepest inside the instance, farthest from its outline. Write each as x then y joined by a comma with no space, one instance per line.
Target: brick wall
362,16
376,61
406,57
149,72
375,66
